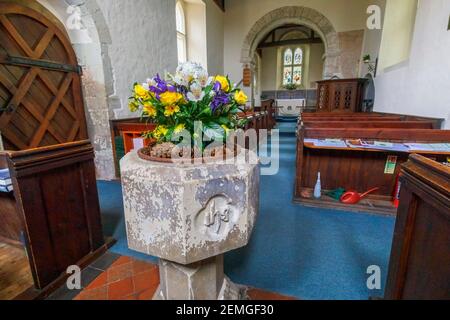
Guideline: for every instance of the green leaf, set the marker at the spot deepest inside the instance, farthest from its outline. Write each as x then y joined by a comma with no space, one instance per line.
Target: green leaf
214,131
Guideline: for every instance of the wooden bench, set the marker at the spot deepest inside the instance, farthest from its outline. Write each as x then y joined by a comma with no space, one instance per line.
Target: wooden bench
54,208
419,265
370,116
369,124
126,129
354,168
353,118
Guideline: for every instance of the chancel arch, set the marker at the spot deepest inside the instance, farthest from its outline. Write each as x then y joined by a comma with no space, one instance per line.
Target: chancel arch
295,15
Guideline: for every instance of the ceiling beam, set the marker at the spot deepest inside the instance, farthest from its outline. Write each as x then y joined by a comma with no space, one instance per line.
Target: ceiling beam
289,42
221,4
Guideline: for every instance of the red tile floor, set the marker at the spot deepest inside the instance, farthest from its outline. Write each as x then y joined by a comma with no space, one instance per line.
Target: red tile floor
130,279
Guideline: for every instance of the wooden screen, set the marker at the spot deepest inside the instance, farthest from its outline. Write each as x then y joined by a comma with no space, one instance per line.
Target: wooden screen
40,87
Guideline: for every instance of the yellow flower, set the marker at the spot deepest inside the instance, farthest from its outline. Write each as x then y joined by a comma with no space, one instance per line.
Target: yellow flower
171,110
133,106
179,128
150,109
160,132
140,92
223,83
240,97
170,98
225,128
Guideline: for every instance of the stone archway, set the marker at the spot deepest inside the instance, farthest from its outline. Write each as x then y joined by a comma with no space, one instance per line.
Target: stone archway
295,15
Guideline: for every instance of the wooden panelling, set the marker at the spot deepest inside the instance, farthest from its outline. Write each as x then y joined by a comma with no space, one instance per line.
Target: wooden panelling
419,266
340,95
11,225
41,101
56,196
369,124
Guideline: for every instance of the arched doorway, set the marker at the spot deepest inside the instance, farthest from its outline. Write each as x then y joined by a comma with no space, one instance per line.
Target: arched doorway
300,16
40,80
291,64
89,42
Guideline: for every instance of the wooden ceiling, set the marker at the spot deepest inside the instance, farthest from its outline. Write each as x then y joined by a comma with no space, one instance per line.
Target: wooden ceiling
277,37
221,4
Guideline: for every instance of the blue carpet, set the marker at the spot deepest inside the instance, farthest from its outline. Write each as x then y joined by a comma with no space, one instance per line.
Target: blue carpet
303,252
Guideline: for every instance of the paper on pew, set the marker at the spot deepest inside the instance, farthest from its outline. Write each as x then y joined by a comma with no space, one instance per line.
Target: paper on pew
438,147
5,181
377,145
336,143
6,189
5,178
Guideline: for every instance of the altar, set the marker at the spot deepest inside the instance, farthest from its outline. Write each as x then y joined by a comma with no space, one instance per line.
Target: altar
290,107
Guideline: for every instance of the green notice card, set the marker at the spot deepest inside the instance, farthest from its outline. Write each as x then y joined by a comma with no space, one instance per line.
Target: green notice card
391,163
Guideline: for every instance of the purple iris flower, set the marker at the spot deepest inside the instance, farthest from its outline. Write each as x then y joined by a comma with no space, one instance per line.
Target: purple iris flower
220,99
161,86
217,86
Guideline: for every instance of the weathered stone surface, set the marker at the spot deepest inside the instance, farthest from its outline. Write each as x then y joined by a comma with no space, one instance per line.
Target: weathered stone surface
186,213
202,280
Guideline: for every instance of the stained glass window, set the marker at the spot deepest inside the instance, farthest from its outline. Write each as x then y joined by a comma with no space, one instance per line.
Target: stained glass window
287,75
298,56
288,57
297,77
292,66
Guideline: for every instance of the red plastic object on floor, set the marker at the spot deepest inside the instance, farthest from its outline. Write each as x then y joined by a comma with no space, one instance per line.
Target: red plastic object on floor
396,195
353,197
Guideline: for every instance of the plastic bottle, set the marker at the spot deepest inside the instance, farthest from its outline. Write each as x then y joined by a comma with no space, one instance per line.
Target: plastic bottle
318,188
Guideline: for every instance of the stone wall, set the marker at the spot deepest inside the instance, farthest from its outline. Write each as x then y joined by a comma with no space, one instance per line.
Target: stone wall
143,43
351,43
120,42
419,85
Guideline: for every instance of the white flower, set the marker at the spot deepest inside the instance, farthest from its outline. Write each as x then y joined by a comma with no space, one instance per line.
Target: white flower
151,82
180,80
191,71
146,86
210,80
196,93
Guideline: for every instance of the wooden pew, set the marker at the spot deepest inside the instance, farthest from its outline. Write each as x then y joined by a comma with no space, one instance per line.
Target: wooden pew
354,168
354,118
368,124
270,108
55,207
121,127
419,265
340,114
437,123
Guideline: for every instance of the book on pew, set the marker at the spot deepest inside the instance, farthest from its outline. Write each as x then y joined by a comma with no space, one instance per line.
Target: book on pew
5,178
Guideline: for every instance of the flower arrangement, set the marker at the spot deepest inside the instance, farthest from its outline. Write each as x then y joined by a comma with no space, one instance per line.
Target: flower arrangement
291,86
179,101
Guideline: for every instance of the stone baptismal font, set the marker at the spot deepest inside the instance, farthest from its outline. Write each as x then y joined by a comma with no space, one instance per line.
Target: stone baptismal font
189,215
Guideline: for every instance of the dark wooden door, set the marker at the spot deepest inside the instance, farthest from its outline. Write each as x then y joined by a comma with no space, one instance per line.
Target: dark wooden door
40,87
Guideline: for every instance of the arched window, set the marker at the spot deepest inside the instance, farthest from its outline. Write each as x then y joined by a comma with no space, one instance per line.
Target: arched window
292,66
181,32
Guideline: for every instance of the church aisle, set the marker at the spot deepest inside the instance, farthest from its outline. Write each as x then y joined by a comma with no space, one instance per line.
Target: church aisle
307,253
